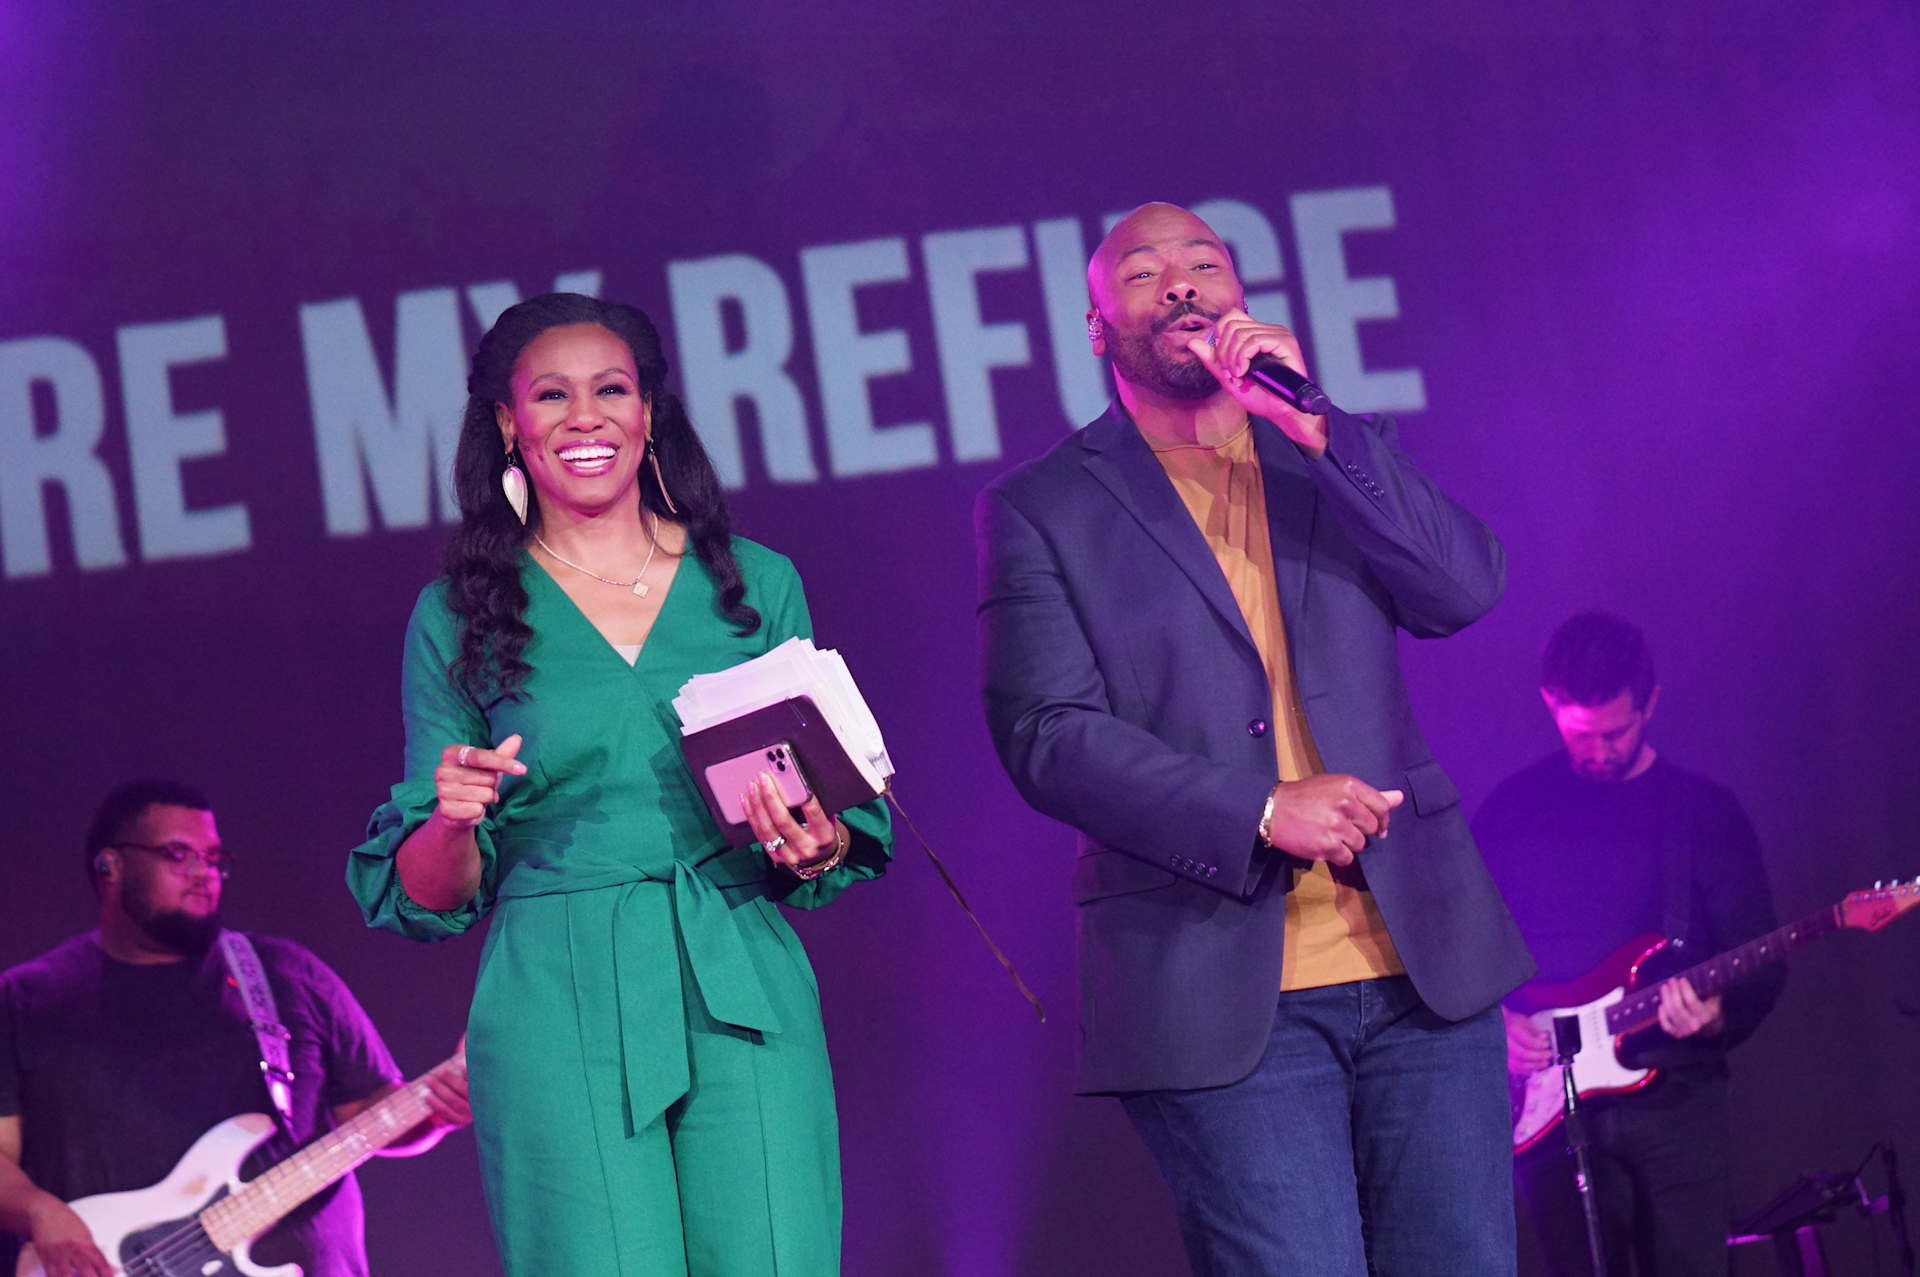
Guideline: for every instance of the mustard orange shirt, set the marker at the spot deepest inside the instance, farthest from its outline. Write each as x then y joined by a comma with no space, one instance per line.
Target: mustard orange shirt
1334,931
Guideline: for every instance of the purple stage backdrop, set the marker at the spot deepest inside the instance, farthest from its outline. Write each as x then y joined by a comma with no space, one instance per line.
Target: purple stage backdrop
1639,280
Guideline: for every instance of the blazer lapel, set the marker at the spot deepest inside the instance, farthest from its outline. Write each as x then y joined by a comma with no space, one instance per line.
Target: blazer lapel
1120,459
1292,500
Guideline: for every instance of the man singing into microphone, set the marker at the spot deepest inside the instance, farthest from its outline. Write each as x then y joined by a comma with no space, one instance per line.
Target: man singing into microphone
1290,952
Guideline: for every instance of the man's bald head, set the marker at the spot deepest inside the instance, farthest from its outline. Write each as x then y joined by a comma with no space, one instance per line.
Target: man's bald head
1148,230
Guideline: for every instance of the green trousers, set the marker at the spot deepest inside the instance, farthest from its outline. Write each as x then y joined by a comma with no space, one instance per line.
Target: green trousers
739,1177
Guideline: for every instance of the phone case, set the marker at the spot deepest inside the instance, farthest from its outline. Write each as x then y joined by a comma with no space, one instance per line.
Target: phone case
828,769
728,779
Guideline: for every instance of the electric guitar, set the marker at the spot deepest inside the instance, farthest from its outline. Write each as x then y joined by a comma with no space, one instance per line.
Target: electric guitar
1618,1002
200,1220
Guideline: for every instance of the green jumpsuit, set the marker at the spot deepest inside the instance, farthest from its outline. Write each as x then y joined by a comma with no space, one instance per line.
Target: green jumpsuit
648,1070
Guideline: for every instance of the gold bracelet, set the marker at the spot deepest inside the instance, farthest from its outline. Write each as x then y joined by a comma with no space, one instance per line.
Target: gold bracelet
1265,832
842,840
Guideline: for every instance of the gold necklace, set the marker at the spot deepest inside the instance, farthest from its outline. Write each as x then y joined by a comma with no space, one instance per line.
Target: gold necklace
637,585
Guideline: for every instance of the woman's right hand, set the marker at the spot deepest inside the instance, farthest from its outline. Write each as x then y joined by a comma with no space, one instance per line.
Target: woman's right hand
467,781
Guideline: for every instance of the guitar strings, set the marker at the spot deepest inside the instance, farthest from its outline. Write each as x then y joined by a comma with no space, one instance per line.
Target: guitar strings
183,1243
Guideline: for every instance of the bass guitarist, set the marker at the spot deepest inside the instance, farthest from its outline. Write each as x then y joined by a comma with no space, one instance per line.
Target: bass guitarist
120,1047
1594,845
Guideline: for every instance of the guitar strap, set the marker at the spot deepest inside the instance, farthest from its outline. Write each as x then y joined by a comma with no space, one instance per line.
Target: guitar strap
244,969
1676,856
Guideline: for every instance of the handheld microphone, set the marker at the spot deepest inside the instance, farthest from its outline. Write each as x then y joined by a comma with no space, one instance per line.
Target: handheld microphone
1289,385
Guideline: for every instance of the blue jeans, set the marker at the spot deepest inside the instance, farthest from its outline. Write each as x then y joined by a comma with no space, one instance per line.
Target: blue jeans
1373,1138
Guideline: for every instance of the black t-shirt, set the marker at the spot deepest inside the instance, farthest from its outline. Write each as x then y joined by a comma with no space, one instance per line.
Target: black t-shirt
1582,865
116,1069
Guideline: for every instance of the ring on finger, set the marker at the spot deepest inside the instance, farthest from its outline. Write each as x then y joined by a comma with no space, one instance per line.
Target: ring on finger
461,758
779,841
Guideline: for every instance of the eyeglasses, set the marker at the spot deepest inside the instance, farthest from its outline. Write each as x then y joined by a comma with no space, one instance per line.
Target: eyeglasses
184,860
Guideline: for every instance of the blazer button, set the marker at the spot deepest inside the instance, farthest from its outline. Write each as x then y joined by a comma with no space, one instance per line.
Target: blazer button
1258,727
1212,870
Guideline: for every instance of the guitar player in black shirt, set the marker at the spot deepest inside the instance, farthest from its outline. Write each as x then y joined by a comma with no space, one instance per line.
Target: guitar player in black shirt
1599,843
121,1047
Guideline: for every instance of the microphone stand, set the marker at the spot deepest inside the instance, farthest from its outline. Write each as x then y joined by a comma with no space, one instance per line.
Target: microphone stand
1896,1206
1566,1045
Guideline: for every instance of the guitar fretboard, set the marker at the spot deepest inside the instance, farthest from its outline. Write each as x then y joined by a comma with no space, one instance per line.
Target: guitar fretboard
265,1200
1642,1007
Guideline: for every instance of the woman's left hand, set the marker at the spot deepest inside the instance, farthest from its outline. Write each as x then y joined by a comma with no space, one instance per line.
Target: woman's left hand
786,840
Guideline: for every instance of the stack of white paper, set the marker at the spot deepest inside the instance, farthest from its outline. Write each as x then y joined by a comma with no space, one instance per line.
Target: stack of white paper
795,668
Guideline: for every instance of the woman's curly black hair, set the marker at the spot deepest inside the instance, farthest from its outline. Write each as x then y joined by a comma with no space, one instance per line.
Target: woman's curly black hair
483,554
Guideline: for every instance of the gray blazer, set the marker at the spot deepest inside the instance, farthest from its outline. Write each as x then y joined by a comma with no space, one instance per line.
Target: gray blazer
1126,697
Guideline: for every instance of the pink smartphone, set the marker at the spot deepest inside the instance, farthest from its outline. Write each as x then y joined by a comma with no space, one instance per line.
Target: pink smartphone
729,779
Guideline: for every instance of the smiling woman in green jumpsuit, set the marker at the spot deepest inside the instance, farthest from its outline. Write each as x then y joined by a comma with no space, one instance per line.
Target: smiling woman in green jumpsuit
648,1069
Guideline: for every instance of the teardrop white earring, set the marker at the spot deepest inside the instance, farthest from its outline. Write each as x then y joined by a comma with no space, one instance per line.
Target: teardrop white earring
513,482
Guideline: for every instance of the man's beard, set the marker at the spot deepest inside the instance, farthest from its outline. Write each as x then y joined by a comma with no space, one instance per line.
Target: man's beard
1609,772
1604,771
185,934
1141,359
